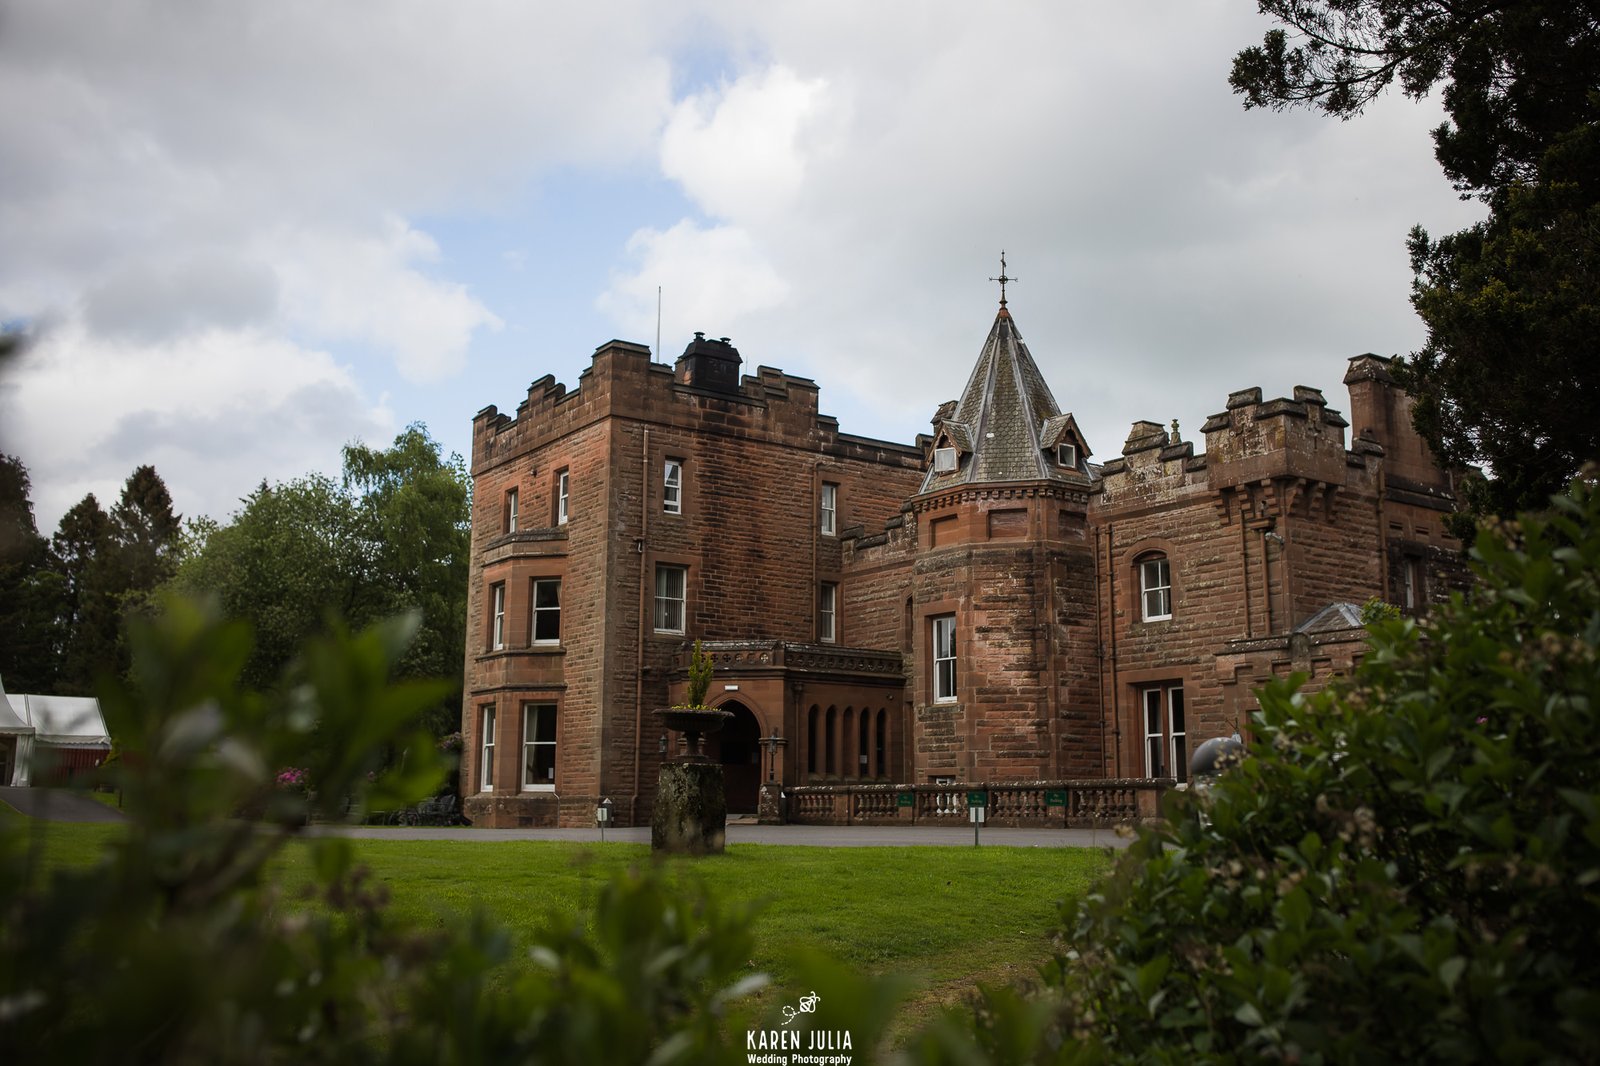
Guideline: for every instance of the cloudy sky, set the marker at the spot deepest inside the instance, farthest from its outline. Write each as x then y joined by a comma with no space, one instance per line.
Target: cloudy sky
246,234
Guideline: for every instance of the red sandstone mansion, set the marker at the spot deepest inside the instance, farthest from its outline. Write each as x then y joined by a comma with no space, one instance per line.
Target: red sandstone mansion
985,605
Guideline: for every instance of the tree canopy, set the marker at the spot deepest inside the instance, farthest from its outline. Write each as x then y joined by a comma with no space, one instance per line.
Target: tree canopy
83,553
109,566
391,536
1508,373
28,589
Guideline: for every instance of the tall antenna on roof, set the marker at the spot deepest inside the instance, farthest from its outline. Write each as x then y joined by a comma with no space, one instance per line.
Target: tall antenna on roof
658,325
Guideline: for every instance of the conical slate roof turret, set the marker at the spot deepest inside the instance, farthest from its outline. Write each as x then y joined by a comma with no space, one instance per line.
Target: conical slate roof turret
1007,425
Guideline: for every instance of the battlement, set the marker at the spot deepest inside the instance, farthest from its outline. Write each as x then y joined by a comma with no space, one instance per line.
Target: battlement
1298,436
1381,410
703,390
1251,440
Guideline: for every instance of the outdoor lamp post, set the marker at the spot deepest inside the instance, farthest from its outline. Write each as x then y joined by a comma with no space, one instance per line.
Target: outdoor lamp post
773,743
602,815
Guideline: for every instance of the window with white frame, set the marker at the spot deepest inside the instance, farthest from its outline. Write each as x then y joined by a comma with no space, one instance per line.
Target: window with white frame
538,747
830,508
546,624
1411,584
1155,589
944,659
1166,747
511,510
1067,455
486,744
827,612
670,582
497,616
672,488
561,497
944,460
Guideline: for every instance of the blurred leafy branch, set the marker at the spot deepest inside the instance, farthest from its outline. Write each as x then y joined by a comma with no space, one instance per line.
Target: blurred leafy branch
1406,868
178,948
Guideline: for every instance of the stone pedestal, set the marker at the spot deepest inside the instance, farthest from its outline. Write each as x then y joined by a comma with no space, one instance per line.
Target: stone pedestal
770,810
691,812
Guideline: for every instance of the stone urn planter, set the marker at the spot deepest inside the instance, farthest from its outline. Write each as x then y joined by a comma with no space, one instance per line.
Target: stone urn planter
693,723
691,810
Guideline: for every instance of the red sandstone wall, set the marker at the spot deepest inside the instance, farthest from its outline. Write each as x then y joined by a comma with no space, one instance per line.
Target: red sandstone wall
748,535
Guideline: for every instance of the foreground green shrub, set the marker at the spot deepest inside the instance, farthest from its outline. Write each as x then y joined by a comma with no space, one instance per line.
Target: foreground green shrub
178,949
1405,869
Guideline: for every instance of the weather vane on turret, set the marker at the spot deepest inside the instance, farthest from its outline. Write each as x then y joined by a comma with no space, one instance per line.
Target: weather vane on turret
1002,279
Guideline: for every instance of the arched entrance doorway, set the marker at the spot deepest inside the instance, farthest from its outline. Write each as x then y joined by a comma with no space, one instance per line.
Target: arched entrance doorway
737,746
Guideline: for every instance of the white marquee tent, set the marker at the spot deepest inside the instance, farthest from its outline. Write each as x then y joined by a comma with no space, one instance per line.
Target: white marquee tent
63,731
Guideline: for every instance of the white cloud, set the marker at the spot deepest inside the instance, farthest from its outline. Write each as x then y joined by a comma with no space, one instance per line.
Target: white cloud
741,151
1171,246
210,196
290,178
368,288
150,138
215,412
712,279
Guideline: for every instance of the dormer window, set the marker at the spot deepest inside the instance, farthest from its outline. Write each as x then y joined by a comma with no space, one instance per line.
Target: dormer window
944,460
1067,455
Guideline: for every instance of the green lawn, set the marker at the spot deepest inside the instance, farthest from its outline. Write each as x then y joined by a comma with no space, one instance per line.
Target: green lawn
947,917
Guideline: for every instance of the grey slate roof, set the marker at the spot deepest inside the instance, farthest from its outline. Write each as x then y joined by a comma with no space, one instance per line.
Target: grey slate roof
1005,420
1334,616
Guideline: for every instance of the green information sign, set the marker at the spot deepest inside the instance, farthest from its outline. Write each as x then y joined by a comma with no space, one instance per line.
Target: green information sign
977,799
1055,799
904,799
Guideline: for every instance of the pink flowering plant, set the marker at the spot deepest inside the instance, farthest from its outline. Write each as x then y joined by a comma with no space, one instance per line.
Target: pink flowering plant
293,779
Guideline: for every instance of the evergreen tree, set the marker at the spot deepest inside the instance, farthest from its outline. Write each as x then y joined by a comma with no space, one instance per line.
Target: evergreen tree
19,538
1512,305
114,565
82,553
148,533
28,589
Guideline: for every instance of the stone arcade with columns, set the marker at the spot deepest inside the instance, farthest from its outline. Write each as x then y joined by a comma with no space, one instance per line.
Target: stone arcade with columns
984,606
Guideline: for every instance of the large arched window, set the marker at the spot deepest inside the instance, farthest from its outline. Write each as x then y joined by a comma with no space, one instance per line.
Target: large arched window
811,740
883,742
863,768
1155,588
831,744
847,735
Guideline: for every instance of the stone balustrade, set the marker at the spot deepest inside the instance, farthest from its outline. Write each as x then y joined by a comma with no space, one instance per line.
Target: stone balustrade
1079,804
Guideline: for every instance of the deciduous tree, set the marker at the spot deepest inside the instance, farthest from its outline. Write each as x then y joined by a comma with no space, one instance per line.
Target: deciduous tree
414,508
1508,375
390,537
289,561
